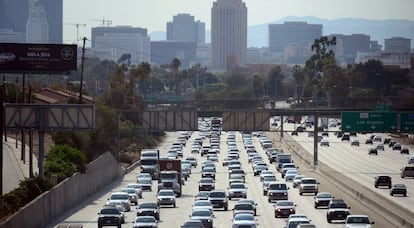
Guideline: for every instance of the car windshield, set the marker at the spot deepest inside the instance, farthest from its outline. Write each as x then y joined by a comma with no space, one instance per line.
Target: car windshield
206,181
202,203
269,178
148,206
278,187
237,186
308,181
109,211
208,169
166,193
244,206
324,195
203,194
129,190
284,203
217,194
202,213
338,205
361,220
142,219
119,197
149,162
144,181
244,217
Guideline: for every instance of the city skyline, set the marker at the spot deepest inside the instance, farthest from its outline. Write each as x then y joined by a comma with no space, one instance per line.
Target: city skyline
154,17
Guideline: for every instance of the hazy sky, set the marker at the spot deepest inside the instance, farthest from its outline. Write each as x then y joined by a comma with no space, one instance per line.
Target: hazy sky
154,14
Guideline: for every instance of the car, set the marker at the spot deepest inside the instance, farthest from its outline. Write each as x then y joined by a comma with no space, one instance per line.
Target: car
137,188
398,189
368,141
377,138
218,199
244,220
208,172
166,197
277,191
243,208
410,160
284,208
358,221
149,208
145,221
337,210
266,181
109,216
193,161
355,142
250,201
383,180
404,150
294,133
237,190
133,196
206,184
146,184
193,224
202,204
294,222
324,142
265,173
306,226
121,197
373,151
259,168
118,206
290,174
396,146
226,161
144,176
308,185
322,199
380,146
204,215
407,171
345,136
202,195
296,180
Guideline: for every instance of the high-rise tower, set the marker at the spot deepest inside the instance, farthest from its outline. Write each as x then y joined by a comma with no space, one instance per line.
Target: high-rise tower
228,34
185,29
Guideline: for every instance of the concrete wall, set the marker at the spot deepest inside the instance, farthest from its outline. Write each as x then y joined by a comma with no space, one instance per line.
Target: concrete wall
67,194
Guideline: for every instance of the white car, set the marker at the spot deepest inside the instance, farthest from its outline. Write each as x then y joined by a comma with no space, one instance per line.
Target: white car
122,197
244,220
145,221
202,204
360,221
166,197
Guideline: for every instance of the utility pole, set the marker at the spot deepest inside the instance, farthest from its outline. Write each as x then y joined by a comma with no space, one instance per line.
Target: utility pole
82,65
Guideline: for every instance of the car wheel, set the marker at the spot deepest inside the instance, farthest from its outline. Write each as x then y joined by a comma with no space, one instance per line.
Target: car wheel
391,194
405,194
174,206
328,219
315,206
300,193
225,208
268,200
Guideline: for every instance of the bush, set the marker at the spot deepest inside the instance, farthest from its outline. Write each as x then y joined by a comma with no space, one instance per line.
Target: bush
63,161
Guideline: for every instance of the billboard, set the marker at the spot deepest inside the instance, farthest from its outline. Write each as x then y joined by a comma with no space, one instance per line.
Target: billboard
37,58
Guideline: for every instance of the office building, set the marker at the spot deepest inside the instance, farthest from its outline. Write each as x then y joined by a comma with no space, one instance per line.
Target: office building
184,28
397,45
347,46
8,36
13,17
163,52
298,33
228,34
54,16
37,28
112,42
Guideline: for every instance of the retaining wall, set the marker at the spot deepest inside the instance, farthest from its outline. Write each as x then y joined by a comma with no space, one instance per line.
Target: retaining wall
67,194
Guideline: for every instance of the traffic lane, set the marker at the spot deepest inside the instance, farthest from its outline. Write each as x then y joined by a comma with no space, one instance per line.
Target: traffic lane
12,173
305,203
355,163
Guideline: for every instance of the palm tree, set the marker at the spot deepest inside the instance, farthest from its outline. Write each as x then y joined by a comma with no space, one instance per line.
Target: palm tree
175,64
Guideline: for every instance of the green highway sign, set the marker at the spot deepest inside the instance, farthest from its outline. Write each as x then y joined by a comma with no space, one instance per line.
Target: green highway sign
369,121
406,122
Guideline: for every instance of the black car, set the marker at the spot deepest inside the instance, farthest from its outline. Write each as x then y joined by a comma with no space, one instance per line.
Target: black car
383,181
404,150
398,189
218,198
109,217
149,208
368,141
387,140
373,151
396,146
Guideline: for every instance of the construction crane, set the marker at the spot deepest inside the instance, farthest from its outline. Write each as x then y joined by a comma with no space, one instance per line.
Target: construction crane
104,22
77,29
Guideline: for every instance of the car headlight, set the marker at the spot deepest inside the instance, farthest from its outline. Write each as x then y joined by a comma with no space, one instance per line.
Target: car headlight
285,193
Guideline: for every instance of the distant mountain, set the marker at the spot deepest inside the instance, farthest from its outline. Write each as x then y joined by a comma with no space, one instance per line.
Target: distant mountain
378,29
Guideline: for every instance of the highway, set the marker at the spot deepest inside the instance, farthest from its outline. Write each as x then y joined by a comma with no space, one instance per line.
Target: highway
353,162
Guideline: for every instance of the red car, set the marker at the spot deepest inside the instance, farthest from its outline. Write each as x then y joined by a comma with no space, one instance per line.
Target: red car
284,208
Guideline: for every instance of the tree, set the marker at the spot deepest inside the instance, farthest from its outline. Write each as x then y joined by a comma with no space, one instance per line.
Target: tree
258,86
125,59
142,72
275,82
175,65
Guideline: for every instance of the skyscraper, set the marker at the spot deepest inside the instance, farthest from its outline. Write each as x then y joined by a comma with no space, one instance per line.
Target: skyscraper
54,16
184,28
14,14
37,28
228,34
298,33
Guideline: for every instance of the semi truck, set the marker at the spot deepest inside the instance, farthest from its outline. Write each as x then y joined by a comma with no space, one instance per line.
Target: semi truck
149,162
170,176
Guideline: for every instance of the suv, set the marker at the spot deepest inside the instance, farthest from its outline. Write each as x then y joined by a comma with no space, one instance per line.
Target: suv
337,210
383,181
109,216
308,185
218,199
277,191
407,171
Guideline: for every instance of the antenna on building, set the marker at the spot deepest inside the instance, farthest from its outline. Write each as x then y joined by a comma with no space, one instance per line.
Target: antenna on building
104,22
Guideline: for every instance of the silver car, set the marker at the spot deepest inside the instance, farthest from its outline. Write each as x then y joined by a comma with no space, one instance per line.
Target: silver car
237,190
